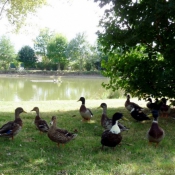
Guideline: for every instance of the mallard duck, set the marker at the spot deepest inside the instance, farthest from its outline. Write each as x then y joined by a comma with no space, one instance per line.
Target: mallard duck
12,128
60,136
86,113
155,133
41,124
165,109
149,105
106,122
130,105
138,114
112,137
153,105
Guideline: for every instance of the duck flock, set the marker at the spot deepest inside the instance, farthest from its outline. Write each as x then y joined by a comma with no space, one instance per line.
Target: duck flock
111,135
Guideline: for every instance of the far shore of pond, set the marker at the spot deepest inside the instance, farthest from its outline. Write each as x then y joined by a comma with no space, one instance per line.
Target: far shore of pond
52,75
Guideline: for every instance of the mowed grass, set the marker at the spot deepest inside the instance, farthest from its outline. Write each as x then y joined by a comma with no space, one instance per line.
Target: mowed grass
33,153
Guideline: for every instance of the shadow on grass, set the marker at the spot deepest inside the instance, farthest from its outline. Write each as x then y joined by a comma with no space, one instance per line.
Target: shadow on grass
33,153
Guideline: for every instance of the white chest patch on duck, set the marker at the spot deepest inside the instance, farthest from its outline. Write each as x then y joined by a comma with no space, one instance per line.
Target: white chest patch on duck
115,129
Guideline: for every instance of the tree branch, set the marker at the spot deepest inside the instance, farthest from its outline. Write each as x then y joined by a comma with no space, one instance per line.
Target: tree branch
3,7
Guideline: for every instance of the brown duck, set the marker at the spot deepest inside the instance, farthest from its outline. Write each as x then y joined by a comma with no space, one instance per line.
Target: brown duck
155,134
130,105
12,128
106,122
41,124
86,113
60,136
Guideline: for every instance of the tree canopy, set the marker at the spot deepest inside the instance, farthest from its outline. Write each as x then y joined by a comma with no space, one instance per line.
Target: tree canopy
41,41
79,49
56,49
27,56
16,11
139,38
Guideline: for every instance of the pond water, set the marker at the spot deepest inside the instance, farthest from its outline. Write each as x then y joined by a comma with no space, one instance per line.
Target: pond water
46,88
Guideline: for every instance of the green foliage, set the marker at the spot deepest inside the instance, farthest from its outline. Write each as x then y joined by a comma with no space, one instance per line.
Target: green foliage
127,24
16,11
27,56
46,66
56,50
79,49
41,41
88,66
7,52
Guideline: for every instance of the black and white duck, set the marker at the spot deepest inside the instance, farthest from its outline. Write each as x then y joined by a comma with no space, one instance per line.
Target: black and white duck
139,115
112,137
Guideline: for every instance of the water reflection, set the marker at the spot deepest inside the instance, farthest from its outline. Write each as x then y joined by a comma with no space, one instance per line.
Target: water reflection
25,89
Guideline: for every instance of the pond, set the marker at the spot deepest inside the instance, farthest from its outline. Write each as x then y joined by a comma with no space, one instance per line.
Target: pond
47,88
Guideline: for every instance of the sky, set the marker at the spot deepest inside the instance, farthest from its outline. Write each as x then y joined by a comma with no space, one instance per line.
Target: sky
67,18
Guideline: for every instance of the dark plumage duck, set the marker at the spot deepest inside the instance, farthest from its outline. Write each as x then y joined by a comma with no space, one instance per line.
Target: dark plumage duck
41,124
138,114
12,128
130,105
155,134
60,136
112,137
154,105
106,122
165,109
149,105
86,113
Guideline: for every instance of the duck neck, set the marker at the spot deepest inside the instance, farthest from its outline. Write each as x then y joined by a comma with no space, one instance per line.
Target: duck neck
16,114
155,120
83,102
37,112
104,111
54,124
115,128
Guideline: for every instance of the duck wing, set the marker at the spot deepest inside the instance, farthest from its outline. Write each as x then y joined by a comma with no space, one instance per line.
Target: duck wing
122,127
89,111
62,137
42,124
139,115
106,122
7,127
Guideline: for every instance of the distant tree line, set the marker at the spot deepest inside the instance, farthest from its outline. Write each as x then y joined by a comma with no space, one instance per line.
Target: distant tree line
52,51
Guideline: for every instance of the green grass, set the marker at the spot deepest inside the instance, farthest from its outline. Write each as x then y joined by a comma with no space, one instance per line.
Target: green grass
33,153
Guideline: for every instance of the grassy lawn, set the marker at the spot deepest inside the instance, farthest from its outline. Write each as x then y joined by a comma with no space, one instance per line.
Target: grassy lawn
33,153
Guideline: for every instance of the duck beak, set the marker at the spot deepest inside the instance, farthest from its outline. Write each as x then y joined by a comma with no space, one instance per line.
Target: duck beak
124,118
24,112
99,107
150,115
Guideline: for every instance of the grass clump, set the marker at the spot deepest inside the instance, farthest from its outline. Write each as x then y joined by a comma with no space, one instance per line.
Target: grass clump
33,153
